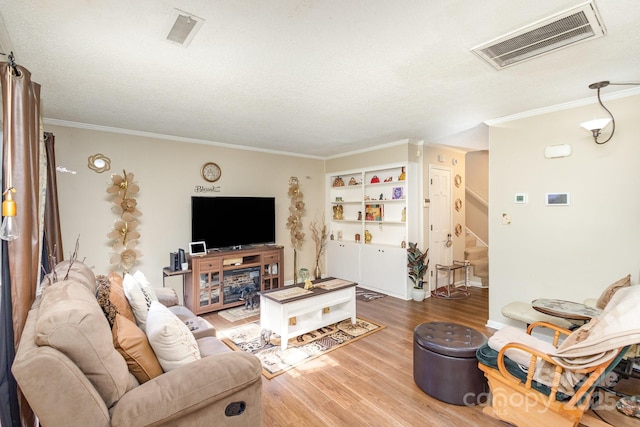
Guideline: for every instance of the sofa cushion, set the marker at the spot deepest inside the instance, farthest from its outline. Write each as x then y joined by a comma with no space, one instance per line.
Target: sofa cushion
71,270
170,338
71,321
608,293
134,346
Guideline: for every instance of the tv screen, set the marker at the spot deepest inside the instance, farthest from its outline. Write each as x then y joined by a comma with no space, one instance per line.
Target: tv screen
232,222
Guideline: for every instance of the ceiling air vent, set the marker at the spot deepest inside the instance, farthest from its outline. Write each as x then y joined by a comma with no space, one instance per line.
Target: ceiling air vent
183,27
564,29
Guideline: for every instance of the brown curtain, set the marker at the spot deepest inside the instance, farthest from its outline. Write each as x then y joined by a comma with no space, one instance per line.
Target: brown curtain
52,234
21,117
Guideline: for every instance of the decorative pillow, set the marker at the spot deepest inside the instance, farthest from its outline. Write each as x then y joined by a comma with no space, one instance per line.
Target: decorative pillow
117,296
133,345
70,321
139,301
145,285
605,297
170,338
102,295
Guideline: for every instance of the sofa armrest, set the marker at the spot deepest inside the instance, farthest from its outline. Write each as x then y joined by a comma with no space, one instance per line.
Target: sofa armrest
196,394
167,296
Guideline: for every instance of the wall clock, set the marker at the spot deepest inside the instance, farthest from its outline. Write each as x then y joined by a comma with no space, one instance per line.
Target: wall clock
211,172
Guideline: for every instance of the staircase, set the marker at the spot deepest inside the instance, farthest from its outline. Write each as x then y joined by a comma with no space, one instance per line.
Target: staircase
478,255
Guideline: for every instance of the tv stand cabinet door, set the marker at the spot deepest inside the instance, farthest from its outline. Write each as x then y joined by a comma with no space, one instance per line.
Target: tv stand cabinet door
206,285
272,268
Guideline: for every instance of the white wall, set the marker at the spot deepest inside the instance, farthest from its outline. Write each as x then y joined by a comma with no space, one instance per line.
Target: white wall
168,172
571,252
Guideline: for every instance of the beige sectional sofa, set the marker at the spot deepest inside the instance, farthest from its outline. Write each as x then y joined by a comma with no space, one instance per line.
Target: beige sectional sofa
75,369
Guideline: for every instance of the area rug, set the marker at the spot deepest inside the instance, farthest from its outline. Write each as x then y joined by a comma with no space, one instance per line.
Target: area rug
366,295
239,313
301,349
453,293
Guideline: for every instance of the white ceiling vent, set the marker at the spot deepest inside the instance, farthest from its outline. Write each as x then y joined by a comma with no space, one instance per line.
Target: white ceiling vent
575,25
183,27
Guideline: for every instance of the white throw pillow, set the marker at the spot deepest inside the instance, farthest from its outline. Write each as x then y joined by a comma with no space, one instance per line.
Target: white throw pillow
145,286
138,301
171,340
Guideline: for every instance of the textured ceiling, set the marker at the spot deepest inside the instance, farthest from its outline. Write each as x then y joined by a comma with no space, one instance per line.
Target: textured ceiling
312,77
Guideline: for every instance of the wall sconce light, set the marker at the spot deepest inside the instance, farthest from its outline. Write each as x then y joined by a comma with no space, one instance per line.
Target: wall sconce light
596,125
99,163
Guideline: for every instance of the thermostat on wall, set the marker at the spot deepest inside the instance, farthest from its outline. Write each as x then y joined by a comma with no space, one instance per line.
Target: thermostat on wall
520,198
558,199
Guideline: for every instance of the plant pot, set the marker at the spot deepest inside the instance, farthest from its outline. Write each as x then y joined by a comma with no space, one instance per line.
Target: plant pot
417,294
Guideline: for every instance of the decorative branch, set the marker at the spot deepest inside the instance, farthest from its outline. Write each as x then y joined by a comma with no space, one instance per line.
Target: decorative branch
319,235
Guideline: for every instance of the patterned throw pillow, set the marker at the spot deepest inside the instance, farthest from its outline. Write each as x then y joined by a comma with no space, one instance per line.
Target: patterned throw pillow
103,292
110,296
140,296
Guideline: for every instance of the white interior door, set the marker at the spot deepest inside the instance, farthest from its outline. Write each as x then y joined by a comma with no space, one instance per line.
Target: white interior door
440,220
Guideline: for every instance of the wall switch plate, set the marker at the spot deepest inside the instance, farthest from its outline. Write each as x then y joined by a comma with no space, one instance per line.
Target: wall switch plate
521,198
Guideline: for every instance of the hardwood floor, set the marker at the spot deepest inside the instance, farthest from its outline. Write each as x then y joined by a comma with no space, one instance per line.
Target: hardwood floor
370,382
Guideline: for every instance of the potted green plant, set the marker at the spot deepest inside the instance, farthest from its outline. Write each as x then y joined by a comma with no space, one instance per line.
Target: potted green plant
417,265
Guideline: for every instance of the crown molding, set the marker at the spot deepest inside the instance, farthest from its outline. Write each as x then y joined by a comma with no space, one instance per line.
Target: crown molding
565,106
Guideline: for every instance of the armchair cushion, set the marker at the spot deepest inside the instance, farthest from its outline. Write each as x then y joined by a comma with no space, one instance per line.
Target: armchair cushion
489,357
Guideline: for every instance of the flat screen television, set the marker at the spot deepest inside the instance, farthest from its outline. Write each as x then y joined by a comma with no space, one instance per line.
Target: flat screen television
233,222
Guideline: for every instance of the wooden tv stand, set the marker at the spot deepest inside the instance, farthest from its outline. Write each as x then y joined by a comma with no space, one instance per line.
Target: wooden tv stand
216,280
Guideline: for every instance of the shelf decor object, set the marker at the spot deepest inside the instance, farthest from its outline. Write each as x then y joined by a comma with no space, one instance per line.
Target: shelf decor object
124,235
294,222
381,204
319,234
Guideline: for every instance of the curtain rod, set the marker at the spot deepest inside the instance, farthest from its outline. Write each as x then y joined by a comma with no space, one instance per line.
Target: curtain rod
12,63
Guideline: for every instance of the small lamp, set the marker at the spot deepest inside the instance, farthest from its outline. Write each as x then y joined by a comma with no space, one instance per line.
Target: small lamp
9,229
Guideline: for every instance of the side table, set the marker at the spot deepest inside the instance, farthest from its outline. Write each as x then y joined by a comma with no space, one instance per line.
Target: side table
449,271
166,272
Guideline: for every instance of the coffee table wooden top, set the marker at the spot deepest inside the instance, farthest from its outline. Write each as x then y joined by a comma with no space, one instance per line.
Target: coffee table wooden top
297,292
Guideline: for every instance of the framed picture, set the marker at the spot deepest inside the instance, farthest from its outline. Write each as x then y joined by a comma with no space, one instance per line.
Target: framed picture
397,193
374,213
197,248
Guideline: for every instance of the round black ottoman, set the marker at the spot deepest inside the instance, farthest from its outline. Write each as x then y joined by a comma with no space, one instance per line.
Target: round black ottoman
445,364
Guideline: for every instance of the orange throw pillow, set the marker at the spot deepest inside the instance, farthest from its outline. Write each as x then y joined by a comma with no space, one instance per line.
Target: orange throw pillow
134,346
117,296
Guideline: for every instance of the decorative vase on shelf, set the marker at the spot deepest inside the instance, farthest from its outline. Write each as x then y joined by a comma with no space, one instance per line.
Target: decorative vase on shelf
317,273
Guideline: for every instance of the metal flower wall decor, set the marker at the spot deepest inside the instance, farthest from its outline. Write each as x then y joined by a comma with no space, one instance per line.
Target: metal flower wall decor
124,235
294,221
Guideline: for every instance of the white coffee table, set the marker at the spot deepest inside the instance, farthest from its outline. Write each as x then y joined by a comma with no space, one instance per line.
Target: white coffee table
331,301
